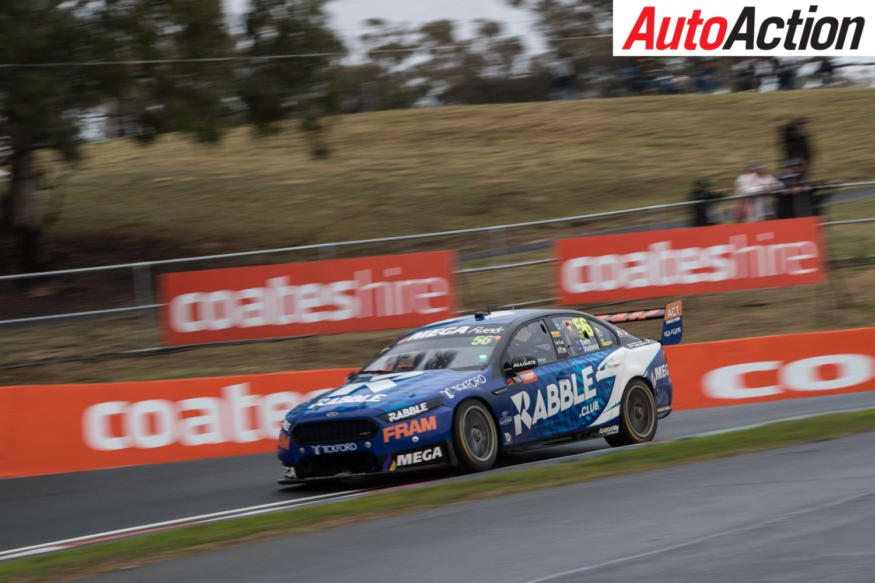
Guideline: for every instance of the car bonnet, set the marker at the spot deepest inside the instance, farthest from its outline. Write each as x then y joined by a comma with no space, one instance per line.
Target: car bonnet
388,392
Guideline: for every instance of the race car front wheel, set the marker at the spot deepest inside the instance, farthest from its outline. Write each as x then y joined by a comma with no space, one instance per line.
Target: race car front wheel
637,415
475,436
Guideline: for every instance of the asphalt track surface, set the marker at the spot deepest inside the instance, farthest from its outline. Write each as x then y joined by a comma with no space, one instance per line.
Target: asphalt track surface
797,514
49,508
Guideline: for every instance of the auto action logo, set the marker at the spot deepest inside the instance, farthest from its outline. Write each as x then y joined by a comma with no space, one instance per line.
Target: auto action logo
743,28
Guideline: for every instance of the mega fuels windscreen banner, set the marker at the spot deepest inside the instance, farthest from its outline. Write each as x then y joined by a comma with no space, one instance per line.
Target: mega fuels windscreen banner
697,260
321,297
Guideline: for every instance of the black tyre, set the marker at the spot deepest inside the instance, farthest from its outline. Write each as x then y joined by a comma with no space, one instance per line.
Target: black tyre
475,436
637,415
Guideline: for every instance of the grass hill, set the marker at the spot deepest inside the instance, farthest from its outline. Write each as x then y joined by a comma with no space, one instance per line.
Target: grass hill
409,171
402,172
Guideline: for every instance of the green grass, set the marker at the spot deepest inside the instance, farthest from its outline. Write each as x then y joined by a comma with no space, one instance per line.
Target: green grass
114,555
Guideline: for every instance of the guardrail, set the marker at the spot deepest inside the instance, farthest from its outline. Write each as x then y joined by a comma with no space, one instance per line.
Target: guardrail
142,272
411,237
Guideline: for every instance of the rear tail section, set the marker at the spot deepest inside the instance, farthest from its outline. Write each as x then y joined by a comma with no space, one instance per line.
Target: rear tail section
673,324
671,315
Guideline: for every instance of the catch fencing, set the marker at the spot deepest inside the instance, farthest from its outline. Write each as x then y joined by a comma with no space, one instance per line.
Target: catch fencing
499,265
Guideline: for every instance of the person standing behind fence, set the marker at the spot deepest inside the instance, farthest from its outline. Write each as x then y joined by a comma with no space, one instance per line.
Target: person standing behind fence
704,213
755,181
796,197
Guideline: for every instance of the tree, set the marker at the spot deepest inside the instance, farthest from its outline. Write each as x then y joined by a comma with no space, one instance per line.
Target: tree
433,61
153,65
41,106
577,28
276,89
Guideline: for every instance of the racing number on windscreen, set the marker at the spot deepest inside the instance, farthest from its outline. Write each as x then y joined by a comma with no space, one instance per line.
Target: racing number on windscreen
573,336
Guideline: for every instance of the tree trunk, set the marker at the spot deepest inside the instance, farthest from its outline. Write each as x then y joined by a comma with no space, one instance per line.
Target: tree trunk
26,225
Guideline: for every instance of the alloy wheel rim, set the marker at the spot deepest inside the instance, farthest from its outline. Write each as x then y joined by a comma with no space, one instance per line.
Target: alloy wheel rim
479,439
639,412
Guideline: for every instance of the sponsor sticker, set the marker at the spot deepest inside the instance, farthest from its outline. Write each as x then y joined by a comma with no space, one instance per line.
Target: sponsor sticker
346,400
426,455
410,428
483,334
560,396
469,383
528,376
411,411
333,448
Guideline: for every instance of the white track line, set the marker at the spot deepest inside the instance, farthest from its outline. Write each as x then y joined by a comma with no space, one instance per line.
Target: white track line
212,516
273,506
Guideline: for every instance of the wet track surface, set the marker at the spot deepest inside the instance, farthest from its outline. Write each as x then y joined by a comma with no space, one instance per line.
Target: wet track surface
46,508
796,514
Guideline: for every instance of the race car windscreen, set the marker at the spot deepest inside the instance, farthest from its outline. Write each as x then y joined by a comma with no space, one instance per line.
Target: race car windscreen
455,347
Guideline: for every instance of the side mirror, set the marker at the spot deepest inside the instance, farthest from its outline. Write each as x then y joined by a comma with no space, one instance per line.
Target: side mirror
519,364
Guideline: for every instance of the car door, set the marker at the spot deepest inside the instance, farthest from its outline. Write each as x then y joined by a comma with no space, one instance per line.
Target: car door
586,343
540,395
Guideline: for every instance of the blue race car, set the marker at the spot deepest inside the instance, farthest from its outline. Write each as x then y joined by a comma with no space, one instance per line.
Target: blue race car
461,391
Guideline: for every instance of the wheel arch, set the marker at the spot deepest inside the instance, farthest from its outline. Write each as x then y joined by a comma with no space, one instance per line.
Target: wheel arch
646,382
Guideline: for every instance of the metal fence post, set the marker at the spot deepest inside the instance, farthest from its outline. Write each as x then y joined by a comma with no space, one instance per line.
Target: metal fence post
497,248
145,296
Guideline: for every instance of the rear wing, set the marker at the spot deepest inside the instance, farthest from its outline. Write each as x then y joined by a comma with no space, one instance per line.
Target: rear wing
671,316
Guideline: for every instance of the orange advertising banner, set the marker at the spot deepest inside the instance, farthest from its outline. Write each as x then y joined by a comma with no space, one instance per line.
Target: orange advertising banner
322,297
697,260
48,429
769,368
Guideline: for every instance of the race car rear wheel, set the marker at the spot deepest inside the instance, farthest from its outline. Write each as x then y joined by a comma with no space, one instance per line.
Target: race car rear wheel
637,415
475,436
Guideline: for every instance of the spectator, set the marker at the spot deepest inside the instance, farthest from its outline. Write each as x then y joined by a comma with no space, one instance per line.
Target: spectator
704,213
786,76
825,72
796,144
755,181
563,76
796,197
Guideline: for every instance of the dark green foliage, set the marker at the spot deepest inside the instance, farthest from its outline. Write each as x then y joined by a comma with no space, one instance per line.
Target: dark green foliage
170,72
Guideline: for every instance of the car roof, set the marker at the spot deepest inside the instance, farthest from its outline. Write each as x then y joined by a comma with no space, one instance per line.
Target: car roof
503,317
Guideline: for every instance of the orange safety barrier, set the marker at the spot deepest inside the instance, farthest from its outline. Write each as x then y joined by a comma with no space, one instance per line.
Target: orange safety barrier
47,429
769,368
63,428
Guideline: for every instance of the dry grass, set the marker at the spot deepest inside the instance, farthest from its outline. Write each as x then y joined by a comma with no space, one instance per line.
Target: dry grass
411,171
421,170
